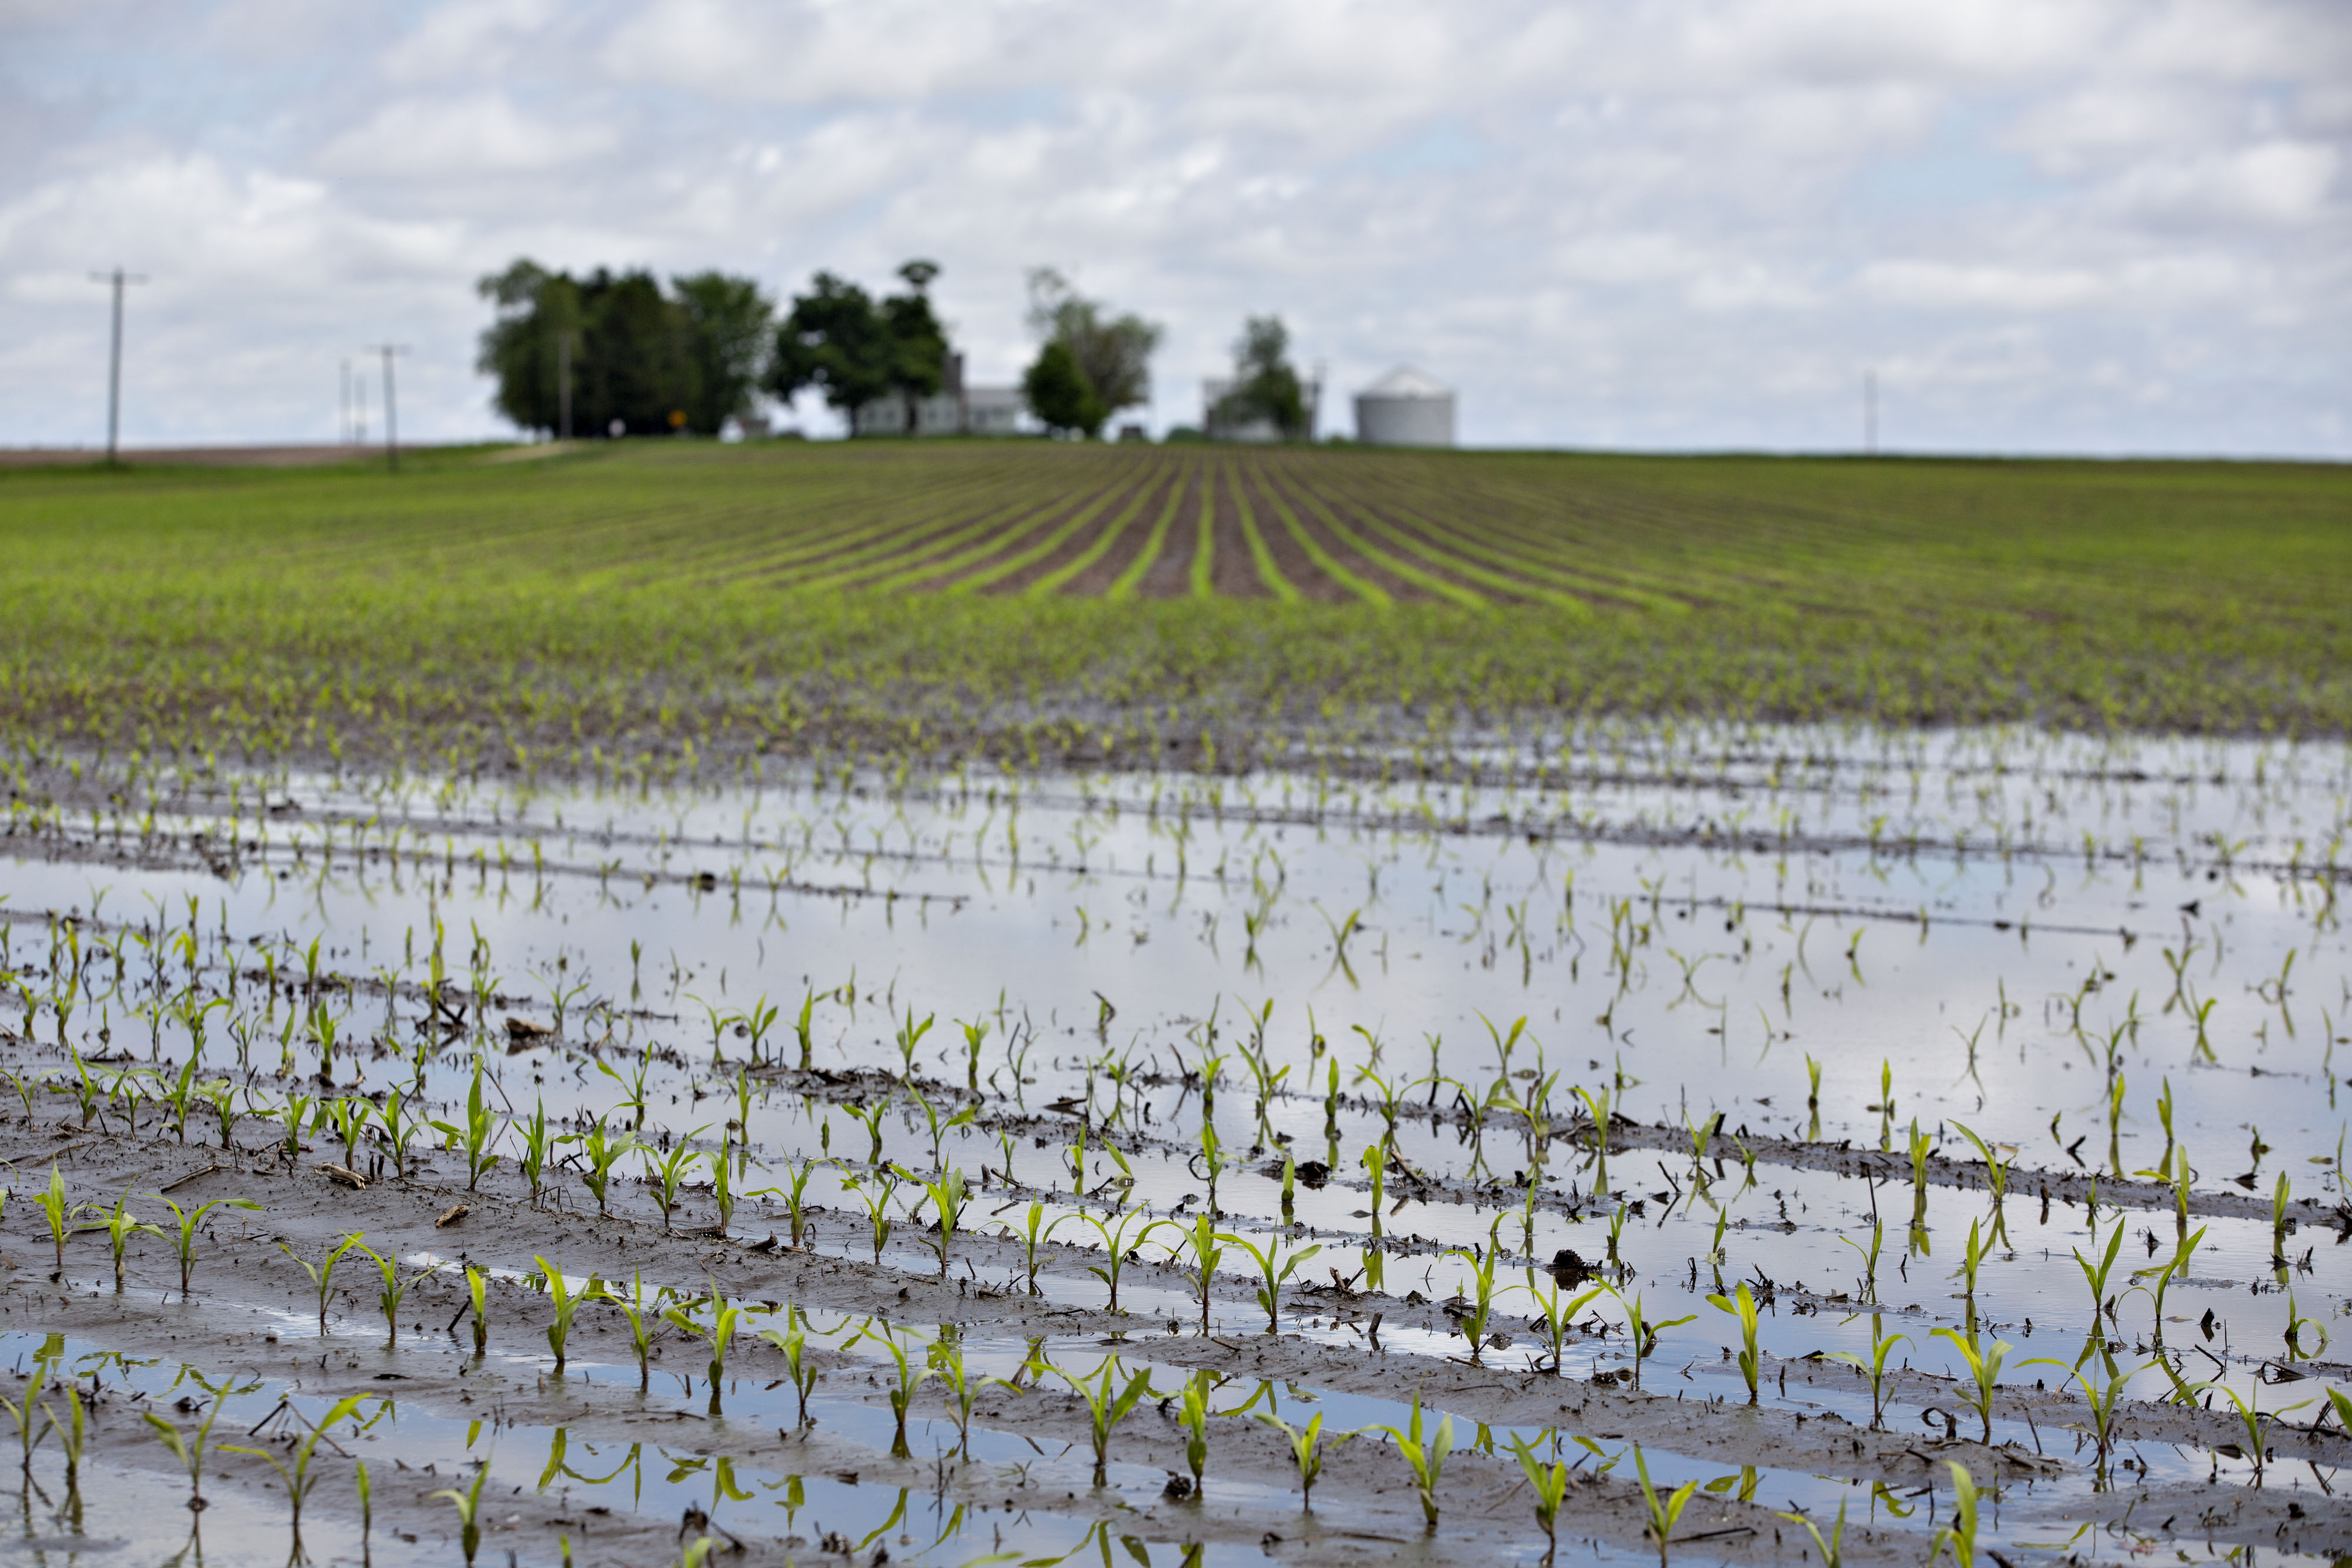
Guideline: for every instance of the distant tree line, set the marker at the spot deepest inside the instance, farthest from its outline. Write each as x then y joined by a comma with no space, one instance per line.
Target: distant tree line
618,353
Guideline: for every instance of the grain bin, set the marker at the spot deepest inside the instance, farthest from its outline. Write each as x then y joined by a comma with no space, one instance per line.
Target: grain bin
1406,408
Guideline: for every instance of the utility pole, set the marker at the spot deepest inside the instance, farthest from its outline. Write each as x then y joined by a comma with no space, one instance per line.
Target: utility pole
1870,414
118,277
391,407
343,407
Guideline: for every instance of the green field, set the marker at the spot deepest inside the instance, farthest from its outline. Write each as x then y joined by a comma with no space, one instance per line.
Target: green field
657,605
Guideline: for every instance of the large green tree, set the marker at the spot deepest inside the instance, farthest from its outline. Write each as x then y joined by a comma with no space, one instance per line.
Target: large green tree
654,361
1109,355
1266,386
856,349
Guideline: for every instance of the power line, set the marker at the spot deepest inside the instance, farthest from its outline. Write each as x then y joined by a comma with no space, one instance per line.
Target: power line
391,407
118,277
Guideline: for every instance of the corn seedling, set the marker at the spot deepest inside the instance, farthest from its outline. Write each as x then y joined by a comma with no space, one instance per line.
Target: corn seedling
1192,1414
1643,1332
296,1478
1556,1316
1869,1254
323,1273
2100,1396
72,1434
20,1416
1742,1306
468,1504
1665,1513
477,1297
643,1319
1306,1446
1548,1482
1203,1237
188,1447
477,1135
1960,1535
717,1334
1427,1456
793,1342
1970,1261
395,1290
537,1142
1034,1234
58,1211
948,1195
1833,1550
1984,1372
1482,1300
120,1226
1996,1177
795,1192
1117,1244
1919,1146
1874,1369
558,1290
603,1151
668,1172
947,1363
2256,1422
2096,1278
910,1379
1107,1404
874,1190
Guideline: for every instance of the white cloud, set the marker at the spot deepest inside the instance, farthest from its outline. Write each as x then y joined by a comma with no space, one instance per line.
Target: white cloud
1603,219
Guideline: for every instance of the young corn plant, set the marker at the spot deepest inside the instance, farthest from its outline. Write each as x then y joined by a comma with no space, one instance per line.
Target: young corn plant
478,1133
296,1478
323,1273
2095,1276
1032,1235
1833,1550
1920,1144
1107,1404
537,1142
468,1504
1874,1369
1665,1512
477,1297
1996,1178
1426,1456
558,1290
911,1378
1959,1536
1482,1280
58,1210
1192,1414
120,1226
189,1447
793,1342
1307,1447
72,1434
669,1173
1643,1332
1984,1372
1117,1244
2100,1396
948,1195
1558,1316
717,1334
946,1360
795,1194
395,1290
20,1416
603,1151
1203,1237
643,1319
1548,1482
1742,1306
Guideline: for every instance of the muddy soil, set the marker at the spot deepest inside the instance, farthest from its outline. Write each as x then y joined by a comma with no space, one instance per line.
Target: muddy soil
253,1312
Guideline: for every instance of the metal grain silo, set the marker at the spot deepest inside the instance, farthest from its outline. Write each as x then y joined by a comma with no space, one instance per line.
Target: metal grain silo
1406,408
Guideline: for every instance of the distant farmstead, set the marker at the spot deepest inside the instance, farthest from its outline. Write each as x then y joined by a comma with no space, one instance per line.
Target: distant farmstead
954,410
1406,408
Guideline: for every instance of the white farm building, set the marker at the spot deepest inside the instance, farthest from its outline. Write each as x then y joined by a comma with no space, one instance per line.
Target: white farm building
1406,408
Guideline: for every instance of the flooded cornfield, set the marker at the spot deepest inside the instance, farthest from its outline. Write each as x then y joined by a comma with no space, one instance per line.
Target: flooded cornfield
1724,1142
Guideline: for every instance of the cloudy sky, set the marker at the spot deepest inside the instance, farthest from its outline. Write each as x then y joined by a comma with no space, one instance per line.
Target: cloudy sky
2089,225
